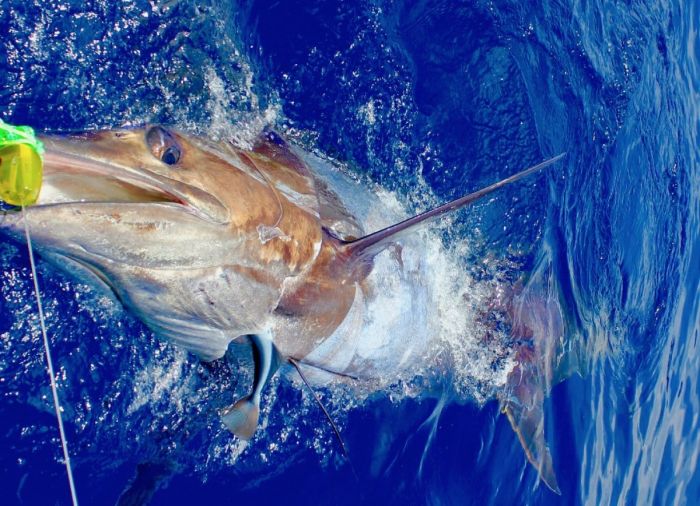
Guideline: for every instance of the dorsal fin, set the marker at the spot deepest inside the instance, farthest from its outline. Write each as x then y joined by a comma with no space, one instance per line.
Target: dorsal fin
370,245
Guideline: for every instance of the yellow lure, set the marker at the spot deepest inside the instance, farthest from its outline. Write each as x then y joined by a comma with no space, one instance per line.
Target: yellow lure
21,165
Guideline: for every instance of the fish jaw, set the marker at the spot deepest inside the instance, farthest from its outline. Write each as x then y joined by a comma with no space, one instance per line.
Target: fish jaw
89,169
92,208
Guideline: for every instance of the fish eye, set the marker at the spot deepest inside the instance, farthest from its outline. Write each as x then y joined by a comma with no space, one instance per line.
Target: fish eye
171,156
163,145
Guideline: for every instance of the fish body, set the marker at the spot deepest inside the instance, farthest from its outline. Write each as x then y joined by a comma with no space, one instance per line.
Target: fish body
210,243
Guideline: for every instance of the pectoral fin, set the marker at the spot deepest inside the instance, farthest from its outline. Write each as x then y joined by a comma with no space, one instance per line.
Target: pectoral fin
241,418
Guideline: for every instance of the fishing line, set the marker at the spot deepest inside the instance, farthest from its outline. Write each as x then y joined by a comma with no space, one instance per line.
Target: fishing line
49,362
21,172
295,363
324,369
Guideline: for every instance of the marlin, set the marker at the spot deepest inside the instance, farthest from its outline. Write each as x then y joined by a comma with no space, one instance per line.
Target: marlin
209,243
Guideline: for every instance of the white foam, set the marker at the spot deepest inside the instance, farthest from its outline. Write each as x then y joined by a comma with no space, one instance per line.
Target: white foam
159,379
235,125
422,320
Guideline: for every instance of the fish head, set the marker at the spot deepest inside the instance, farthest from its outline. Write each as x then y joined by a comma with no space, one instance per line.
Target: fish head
162,177
208,230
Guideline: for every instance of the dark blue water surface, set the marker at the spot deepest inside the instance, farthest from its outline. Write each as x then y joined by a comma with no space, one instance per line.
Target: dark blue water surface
453,95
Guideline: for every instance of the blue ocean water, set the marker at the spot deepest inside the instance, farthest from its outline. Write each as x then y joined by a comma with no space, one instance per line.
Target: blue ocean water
430,100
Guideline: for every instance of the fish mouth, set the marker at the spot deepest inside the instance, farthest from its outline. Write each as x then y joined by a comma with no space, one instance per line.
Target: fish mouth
73,178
